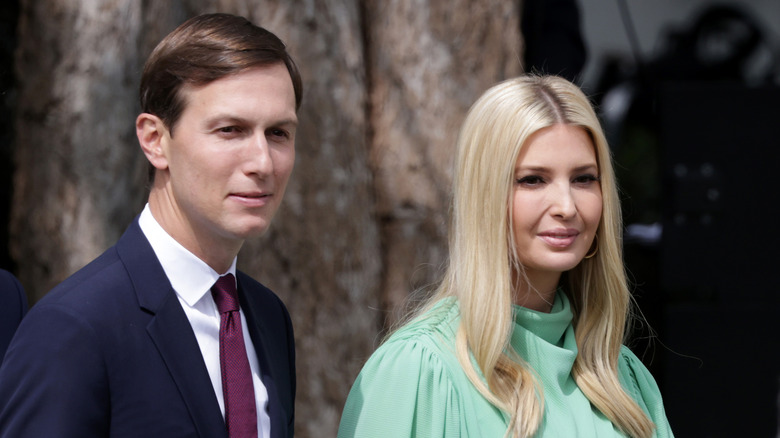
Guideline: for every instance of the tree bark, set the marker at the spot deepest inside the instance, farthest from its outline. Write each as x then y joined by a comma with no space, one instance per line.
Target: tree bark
428,61
76,183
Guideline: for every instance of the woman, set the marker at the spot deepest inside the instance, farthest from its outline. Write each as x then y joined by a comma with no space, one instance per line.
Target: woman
524,335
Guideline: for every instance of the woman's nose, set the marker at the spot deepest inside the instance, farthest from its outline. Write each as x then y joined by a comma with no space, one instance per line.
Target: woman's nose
563,204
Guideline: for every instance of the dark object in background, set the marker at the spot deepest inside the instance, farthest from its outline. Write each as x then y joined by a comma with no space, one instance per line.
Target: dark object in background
722,43
695,138
553,38
720,147
9,15
719,45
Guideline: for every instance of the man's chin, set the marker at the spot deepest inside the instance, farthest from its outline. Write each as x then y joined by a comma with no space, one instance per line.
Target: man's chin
252,230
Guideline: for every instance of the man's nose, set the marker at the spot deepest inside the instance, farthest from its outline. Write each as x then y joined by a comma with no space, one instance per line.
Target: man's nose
258,156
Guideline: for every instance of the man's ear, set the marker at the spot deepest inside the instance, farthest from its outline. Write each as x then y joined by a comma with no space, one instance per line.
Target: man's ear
152,134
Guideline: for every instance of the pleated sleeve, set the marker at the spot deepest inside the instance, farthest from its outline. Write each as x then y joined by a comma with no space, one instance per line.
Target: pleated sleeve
404,390
641,385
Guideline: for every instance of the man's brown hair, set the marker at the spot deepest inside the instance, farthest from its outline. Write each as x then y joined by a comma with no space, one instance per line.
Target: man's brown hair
201,50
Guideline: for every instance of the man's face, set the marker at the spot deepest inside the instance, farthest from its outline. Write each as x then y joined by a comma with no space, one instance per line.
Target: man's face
229,159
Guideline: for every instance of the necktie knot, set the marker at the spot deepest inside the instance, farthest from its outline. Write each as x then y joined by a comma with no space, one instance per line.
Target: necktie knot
224,293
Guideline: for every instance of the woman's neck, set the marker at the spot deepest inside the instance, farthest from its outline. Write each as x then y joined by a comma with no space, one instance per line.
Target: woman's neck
536,292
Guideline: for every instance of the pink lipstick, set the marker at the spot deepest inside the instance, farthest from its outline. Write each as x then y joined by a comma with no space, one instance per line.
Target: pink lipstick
559,237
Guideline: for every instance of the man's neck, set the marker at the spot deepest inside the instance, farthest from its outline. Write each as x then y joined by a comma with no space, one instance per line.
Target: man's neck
215,252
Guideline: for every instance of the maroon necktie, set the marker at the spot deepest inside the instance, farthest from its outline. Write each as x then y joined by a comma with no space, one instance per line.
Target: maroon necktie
237,388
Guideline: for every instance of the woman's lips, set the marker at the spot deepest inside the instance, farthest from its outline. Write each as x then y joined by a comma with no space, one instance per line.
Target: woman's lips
562,238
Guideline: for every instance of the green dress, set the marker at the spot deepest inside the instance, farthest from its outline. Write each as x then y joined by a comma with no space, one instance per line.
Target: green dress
414,386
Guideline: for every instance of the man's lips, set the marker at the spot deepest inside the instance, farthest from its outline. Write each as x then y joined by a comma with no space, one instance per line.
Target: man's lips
559,238
252,199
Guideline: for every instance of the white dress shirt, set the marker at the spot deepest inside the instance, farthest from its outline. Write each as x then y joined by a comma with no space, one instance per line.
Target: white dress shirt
192,280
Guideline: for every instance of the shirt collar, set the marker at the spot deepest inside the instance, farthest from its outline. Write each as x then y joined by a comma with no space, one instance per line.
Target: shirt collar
548,326
190,276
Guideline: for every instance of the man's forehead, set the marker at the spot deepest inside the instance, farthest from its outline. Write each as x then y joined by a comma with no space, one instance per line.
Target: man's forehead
235,96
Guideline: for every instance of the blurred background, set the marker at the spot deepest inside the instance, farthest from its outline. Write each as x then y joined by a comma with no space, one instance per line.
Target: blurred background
689,94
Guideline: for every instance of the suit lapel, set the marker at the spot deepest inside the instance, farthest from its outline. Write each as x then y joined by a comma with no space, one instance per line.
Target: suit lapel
171,332
257,333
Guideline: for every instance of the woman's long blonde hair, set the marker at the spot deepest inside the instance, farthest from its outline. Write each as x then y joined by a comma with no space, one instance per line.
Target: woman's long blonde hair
479,273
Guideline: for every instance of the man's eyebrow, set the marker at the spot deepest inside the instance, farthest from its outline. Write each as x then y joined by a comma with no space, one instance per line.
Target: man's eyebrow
288,121
221,118
234,119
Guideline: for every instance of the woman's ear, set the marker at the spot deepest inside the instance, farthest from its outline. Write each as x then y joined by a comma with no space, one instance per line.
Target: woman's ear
152,134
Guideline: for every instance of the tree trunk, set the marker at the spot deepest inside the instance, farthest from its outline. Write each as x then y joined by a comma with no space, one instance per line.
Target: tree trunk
427,61
363,223
78,169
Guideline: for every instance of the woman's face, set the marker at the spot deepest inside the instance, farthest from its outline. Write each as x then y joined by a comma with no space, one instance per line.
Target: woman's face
556,203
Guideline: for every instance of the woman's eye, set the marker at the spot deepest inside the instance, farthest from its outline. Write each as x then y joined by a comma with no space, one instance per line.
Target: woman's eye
586,179
530,180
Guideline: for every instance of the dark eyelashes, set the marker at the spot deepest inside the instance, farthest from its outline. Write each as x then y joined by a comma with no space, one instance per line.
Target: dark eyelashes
279,133
536,180
531,179
237,130
587,178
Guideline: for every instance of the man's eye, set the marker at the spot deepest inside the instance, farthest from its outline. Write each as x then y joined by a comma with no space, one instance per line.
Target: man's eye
278,133
229,129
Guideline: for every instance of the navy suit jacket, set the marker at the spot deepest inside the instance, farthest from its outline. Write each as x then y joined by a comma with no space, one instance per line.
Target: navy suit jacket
13,306
110,353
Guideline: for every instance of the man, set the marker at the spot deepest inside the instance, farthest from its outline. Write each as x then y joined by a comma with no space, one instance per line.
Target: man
149,339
